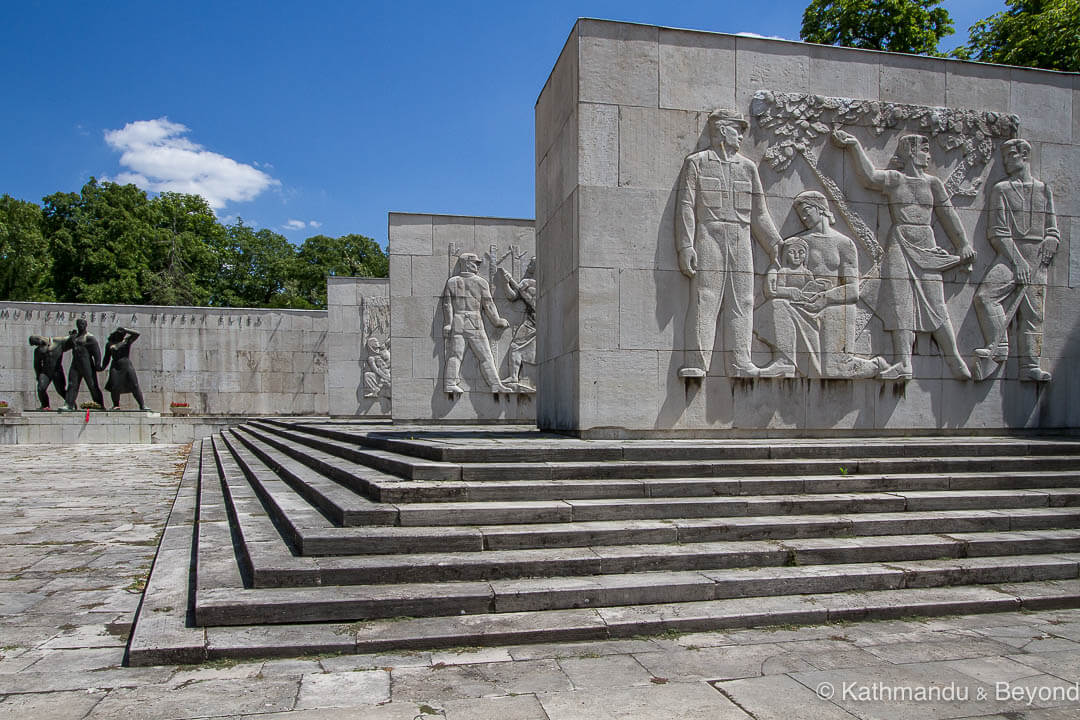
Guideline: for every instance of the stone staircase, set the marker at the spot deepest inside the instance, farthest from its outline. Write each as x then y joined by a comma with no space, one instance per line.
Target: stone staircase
292,537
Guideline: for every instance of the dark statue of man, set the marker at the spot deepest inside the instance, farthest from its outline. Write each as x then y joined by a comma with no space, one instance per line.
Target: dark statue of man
85,363
48,353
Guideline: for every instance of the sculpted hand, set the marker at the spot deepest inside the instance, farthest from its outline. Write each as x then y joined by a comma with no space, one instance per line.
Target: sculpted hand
967,254
1048,250
1022,271
502,323
446,330
844,139
815,303
688,261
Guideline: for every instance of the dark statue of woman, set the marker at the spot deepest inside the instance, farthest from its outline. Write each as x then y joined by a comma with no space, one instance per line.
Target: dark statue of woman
85,357
122,377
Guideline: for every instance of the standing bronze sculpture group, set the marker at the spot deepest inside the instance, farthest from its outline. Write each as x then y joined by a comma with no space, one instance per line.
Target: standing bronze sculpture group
86,363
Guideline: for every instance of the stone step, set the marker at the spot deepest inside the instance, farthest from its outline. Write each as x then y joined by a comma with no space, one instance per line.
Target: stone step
329,441
239,606
312,533
328,540
275,566
520,444
379,636
343,505
653,460
386,488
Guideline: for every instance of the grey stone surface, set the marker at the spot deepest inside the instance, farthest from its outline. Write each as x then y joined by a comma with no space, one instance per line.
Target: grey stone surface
419,347
608,265
52,663
227,361
358,310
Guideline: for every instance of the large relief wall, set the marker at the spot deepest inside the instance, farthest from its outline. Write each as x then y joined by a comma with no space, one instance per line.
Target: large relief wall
463,318
739,246
358,353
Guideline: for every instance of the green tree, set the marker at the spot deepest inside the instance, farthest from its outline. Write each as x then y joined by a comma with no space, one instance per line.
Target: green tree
183,250
99,243
257,269
1031,33
907,26
25,260
348,255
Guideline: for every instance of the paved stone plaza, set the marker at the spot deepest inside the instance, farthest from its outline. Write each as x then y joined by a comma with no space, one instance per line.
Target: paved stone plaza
82,523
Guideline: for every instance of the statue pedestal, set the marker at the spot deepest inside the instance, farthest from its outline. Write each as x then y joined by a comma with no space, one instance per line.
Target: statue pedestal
118,426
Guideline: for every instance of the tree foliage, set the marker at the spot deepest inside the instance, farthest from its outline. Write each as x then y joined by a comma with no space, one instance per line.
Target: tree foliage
1031,33
25,261
112,243
348,255
907,26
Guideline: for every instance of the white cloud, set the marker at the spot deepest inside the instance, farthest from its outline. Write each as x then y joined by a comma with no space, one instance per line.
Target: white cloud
291,224
160,158
760,37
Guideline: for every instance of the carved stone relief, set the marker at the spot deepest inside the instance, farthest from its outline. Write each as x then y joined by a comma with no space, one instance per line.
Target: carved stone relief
1022,228
375,329
816,302
720,204
468,299
523,344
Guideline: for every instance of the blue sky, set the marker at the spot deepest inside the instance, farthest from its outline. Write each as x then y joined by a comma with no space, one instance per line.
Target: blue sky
313,117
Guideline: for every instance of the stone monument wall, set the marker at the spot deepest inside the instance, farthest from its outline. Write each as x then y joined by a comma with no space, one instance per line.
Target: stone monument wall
447,316
358,309
836,250
222,361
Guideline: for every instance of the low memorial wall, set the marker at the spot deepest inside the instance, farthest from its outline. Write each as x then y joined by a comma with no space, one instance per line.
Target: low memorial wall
742,235
462,318
219,361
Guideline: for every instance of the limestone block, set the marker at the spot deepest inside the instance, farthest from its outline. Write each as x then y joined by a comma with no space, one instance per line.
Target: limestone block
836,72
558,238
1060,166
697,70
400,275
652,308
401,355
626,228
915,404
653,143
978,86
340,291
429,279
555,339
414,317
693,406
769,65
410,234
619,63
172,360
557,170
503,233
598,308
598,147
840,404
913,79
427,360
617,393
558,97
771,404
1044,103
448,229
